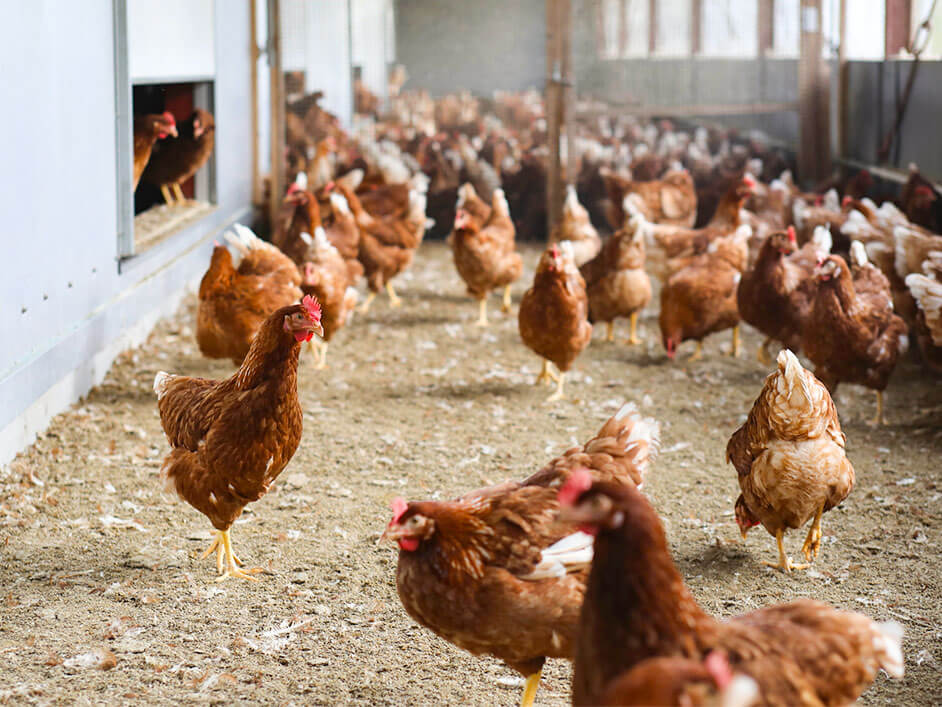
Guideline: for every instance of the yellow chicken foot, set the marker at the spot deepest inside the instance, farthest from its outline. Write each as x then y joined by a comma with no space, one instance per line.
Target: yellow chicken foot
546,374
505,304
482,316
558,395
736,341
633,339
178,192
610,331
879,419
232,563
365,307
813,541
220,548
762,355
167,196
698,354
322,358
394,299
784,563
529,690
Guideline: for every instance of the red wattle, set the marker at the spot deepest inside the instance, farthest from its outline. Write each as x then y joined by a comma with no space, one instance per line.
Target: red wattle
409,544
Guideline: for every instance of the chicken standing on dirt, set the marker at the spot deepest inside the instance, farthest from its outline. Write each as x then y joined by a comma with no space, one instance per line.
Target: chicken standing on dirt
616,282
486,257
233,303
790,460
230,439
576,228
494,572
553,314
637,607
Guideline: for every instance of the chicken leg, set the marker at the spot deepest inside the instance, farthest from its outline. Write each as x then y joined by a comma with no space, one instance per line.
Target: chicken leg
784,563
482,317
227,564
546,374
178,192
505,304
365,307
736,346
879,419
394,299
168,198
633,339
558,395
530,688
813,541
762,355
698,354
610,331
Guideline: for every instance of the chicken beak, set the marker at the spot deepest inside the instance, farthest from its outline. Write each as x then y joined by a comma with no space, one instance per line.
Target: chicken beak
743,531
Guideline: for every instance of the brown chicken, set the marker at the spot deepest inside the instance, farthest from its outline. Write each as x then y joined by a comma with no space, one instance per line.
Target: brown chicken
576,228
494,573
325,276
230,439
789,455
682,682
148,129
179,159
616,282
775,295
850,337
473,204
671,201
486,257
927,291
637,607
233,303
553,316
675,240
921,201
699,298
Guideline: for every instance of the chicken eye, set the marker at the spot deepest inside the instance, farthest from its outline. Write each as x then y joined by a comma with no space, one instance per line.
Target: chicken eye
413,521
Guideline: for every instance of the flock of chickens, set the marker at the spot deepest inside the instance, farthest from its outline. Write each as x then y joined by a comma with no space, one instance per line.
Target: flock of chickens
572,562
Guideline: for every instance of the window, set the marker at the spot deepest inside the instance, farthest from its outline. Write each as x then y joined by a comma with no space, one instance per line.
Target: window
921,8
866,28
785,36
673,27
165,56
625,28
730,28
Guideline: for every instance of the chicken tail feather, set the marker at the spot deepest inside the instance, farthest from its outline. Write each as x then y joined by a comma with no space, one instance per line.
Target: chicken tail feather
888,644
161,380
639,437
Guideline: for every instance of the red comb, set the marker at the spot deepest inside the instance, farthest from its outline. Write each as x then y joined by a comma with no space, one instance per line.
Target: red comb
578,482
554,251
819,199
923,190
749,181
791,234
293,188
330,186
717,664
846,200
312,307
399,506
216,244
168,116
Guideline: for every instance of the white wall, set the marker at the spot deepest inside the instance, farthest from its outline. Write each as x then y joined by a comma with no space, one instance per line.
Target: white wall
171,39
328,56
370,42
66,305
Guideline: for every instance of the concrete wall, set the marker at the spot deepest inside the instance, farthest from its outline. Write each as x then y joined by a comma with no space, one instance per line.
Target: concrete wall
67,306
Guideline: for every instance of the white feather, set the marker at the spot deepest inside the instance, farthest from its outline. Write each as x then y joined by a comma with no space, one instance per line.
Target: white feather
570,554
160,383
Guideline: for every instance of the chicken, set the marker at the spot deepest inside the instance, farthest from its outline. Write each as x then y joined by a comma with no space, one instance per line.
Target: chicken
476,207
616,282
921,201
231,439
789,456
827,211
493,572
576,228
699,299
553,314
675,240
344,233
850,337
234,303
671,201
637,607
927,292
148,129
681,682
485,257
325,276
179,159
775,295
913,246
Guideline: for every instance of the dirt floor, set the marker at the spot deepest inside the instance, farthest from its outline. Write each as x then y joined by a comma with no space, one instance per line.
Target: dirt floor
99,568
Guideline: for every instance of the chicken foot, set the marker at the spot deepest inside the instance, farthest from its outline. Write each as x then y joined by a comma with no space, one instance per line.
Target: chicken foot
365,307
558,395
168,197
482,316
394,299
227,564
813,541
736,346
879,419
610,331
530,688
633,339
698,354
784,563
178,192
505,304
319,349
546,374
762,355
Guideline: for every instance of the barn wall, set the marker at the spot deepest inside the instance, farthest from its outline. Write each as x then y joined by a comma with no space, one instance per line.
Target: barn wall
67,307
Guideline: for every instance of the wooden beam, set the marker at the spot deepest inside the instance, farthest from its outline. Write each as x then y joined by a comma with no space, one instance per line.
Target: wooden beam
277,107
652,26
694,109
814,150
253,97
898,26
696,26
843,83
766,26
559,101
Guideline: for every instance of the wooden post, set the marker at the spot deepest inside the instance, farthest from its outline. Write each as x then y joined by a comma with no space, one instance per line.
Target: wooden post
897,26
696,27
253,93
277,107
652,26
843,83
766,28
559,102
814,151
